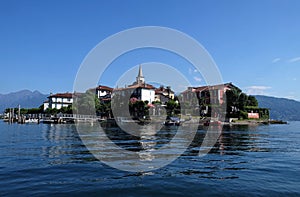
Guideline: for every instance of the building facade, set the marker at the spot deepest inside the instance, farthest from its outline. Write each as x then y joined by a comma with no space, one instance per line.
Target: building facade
104,93
59,100
163,94
214,94
139,89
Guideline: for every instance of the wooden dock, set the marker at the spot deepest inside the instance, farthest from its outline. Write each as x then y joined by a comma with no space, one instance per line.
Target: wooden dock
50,119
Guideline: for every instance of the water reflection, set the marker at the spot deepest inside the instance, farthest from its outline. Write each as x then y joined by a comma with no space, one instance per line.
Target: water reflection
243,162
63,145
238,140
148,142
231,153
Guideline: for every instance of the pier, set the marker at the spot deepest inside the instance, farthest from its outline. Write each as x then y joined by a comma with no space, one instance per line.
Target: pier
59,118
69,118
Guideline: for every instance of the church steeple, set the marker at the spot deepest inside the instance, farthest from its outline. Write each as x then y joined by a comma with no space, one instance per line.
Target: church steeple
140,78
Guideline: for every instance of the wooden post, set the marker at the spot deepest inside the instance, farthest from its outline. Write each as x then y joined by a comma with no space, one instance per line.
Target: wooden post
19,115
10,115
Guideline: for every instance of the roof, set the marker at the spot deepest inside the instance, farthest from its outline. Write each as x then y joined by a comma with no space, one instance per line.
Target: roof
163,90
202,88
61,95
162,95
65,95
100,87
228,85
194,89
135,86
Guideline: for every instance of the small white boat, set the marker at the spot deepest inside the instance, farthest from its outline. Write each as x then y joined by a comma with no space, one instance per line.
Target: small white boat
32,120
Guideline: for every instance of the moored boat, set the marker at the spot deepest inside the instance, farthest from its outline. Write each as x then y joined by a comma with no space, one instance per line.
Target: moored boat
172,121
212,123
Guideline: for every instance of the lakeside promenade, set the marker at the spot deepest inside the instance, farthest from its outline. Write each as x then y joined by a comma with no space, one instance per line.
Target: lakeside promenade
75,118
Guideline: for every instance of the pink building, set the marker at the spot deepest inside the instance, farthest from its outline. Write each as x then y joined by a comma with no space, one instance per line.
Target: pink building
207,94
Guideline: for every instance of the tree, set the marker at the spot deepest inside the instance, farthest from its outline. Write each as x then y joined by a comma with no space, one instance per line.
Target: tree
172,107
138,109
252,101
66,110
87,103
242,101
232,100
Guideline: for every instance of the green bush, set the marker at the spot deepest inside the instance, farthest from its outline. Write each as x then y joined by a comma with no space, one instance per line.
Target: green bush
243,115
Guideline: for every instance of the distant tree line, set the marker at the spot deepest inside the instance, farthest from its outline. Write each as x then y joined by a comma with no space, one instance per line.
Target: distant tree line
40,110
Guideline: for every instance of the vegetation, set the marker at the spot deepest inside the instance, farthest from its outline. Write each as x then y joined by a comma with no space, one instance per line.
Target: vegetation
239,105
25,111
40,110
173,107
64,110
139,109
86,103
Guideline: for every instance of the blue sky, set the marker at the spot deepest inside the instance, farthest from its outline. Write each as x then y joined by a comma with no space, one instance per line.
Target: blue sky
256,44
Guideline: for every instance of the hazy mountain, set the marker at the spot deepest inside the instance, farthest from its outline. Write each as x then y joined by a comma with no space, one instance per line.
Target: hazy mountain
25,98
280,108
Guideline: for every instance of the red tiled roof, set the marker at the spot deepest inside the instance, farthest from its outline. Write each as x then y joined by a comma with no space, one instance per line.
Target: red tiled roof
202,88
194,89
62,95
145,86
100,87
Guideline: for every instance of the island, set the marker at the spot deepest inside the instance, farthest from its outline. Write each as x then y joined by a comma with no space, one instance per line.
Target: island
142,102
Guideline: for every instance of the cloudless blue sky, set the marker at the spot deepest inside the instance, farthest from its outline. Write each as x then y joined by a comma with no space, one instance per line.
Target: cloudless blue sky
255,43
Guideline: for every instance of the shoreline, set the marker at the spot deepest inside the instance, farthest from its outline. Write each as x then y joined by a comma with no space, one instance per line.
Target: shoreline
203,122
254,122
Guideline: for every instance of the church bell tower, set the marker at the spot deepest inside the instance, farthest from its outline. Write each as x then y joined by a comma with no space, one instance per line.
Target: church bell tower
140,78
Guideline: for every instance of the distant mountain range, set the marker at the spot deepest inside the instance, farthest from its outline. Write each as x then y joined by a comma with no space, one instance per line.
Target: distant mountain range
280,108
25,98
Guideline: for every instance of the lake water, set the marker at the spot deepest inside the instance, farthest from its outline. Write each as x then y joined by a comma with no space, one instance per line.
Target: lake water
39,160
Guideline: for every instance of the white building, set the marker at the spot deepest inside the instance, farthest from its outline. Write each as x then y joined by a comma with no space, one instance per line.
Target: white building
59,100
104,93
139,89
143,91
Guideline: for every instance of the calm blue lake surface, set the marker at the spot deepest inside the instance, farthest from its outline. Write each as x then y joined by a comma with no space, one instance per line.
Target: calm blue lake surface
40,160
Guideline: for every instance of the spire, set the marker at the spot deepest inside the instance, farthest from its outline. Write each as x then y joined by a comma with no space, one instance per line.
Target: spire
140,78
140,71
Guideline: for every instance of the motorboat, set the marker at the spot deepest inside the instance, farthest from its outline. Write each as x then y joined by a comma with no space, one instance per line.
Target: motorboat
172,121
